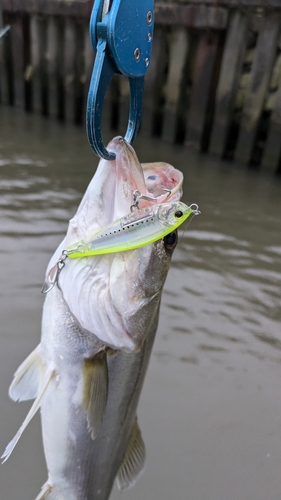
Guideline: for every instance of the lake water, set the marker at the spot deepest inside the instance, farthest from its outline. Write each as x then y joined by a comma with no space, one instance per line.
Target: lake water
210,410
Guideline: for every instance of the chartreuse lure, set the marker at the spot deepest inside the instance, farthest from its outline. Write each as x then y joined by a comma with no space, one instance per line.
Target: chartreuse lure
139,228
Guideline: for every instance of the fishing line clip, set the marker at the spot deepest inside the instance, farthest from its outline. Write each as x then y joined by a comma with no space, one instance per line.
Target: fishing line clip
50,283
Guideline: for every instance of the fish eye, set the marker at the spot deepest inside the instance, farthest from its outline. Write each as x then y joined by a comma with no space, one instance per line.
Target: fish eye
170,240
178,214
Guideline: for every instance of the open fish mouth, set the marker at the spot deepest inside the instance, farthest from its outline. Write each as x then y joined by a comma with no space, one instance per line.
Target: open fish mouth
105,293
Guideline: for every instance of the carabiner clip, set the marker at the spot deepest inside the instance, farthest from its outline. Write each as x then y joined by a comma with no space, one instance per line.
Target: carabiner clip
121,33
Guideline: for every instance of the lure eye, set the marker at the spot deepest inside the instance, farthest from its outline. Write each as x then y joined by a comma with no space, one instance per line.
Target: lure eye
170,241
178,214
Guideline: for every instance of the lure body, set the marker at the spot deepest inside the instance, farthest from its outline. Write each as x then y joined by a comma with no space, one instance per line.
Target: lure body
141,227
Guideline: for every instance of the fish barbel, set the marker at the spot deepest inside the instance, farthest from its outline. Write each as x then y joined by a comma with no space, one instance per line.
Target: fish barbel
98,329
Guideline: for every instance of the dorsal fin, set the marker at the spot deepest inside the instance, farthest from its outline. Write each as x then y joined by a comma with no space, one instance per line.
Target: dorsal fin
28,377
134,459
36,405
95,390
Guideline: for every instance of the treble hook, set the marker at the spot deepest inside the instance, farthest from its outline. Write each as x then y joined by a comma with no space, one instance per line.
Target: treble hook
121,33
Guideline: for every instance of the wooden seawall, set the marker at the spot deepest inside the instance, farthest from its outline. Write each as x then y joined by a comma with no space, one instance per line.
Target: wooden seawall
214,83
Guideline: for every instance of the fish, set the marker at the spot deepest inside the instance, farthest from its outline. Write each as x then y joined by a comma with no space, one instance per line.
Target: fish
98,327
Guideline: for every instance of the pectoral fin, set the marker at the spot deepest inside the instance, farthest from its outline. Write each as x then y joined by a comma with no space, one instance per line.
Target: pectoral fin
36,405
28,377
95,391
134,459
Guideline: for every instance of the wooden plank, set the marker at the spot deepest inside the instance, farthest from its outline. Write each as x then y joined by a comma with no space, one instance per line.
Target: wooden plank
36,94
17,41
75,8
69,69
158,86
3,94
52,48
151,76
258,85
5,48
177,57
272,152
230,72
205,58
59,66
191,16
82,8
42,25
27,64
79,74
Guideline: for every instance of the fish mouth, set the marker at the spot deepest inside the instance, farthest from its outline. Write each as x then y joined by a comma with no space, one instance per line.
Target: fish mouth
106,292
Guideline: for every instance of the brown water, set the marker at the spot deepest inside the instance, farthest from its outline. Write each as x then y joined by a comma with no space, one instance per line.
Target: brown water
210,411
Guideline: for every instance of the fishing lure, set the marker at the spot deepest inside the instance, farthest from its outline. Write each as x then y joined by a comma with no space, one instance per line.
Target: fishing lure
139,228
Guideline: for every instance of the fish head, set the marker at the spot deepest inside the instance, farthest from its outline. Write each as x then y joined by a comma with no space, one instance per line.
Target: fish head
116,297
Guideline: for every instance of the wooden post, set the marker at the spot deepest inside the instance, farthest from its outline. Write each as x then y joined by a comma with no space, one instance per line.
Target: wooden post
79,73
34,30
149,86
158,93
52,48
17,41
272,151
259,80
230,72
205,58
3,81
177,57
69,54
59,65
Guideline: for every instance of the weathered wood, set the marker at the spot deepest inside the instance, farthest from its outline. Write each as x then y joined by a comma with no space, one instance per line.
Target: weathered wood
158,90
59,63
177,57
232,3
230,73
205,59
69,68
208,13
258,85
4,93
17,42
272,152
52,49
27,63
191,16
43,65
36,94
74,8
156,66
79,73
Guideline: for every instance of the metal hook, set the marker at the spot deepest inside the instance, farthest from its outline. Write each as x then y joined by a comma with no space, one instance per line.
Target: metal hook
137,196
